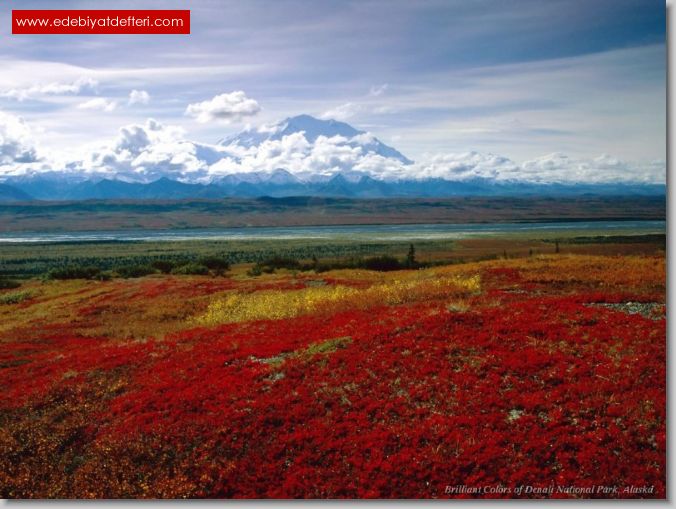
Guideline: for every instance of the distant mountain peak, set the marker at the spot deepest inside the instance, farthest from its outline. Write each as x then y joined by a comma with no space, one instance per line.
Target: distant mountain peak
312,128
281,176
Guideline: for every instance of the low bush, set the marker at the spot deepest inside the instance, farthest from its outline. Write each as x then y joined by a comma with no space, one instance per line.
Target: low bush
280,262
75,272
130,271
164,266
8,284
381,263
196,269
254,271
215,264
15,297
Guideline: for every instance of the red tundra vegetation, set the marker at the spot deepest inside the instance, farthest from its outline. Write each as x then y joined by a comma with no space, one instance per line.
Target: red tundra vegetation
548,371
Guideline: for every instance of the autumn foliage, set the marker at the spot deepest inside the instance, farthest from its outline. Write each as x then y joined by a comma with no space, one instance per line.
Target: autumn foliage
543,371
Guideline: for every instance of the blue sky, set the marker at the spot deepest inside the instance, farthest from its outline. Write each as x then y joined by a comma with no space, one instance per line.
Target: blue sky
519,78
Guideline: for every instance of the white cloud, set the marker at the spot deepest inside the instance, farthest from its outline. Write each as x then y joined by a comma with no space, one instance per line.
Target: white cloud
98,103
25,73
350,110
364,139
147,152
384,110
559,167
136,148
227,108
553,168
342,112
77,87
329,156
139,97
16,141
466,166
322,159
376,91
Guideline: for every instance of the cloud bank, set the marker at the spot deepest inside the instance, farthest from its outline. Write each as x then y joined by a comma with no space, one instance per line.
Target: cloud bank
152,150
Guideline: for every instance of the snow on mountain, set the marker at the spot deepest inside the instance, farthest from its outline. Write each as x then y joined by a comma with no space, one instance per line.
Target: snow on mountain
281,176
312,129
299,155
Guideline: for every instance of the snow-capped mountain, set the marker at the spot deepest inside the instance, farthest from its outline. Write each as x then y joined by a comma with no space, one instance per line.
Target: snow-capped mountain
307,156
312,128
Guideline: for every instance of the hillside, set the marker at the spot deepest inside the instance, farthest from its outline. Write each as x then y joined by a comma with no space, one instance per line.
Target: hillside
301,211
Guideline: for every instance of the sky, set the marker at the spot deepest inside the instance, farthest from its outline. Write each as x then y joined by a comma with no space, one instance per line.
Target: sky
524,80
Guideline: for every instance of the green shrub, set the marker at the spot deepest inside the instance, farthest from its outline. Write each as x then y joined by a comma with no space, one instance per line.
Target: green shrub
129,271
75,272
378,263
164,266
15,297
215,264
191,269
104,276
280,262
381,263
8,284
254,271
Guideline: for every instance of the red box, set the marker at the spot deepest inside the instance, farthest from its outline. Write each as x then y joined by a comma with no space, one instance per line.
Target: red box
100,21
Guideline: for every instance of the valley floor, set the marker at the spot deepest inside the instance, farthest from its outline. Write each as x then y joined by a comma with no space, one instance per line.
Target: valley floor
548,370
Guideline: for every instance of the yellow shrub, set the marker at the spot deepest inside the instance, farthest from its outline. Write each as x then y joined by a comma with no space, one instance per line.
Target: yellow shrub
275,304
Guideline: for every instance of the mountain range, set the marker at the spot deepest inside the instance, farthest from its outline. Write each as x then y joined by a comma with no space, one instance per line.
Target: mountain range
345,181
